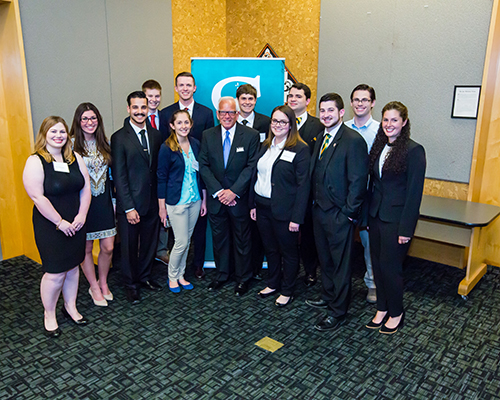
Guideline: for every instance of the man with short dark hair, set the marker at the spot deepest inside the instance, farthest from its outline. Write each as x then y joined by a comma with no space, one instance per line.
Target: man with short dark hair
362,103
247,99
227,159
134,149
309,128
203,119
339,174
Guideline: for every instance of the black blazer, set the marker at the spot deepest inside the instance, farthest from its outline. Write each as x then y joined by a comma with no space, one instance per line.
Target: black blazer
203,119
346,175
134,172
240,165
397,197
261,123
171,168
310,130
290,184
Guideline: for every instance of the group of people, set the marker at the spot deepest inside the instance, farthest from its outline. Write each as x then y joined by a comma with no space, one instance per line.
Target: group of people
292,187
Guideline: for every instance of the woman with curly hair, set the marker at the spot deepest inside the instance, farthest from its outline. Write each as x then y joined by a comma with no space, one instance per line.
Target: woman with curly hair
397,168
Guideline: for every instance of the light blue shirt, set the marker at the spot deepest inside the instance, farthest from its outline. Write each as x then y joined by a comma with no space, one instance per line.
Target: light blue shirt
368,130
189,192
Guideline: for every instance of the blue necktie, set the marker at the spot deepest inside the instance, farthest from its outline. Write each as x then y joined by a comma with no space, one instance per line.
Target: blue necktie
226,148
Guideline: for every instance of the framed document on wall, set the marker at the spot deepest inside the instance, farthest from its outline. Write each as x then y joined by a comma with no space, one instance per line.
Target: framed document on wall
465,102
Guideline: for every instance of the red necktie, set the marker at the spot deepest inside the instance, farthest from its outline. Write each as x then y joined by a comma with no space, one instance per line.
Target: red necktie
152,119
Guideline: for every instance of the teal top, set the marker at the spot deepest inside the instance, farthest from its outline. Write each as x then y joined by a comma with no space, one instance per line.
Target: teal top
189,192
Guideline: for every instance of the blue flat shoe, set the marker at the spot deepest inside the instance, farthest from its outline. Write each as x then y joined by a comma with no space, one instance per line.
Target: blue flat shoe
187,287
175,289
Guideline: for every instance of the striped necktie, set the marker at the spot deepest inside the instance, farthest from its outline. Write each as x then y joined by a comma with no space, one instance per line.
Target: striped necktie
325,144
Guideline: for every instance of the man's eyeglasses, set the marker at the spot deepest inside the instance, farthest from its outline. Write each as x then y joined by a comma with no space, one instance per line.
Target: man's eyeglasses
363,101
224,113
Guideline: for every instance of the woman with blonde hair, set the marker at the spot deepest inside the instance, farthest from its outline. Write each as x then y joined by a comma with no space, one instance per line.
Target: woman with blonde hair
57,181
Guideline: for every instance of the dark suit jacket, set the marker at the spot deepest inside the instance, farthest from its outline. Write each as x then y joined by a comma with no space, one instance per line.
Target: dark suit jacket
134,172
261,123
171,168
397,197
346,174
290,184
310,130
238,173
203,119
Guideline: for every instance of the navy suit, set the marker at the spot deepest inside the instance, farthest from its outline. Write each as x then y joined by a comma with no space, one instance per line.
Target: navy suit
134,176
229,223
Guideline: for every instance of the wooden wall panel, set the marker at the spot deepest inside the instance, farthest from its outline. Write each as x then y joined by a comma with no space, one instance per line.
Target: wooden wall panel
450,190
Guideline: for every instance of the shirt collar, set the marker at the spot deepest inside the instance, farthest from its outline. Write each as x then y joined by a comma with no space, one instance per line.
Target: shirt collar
189,107
136,129
333,132
250,119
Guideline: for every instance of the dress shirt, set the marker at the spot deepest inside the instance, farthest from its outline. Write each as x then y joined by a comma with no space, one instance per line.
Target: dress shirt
368,130
383,157
302,121
231,137
189,107
156,118
189,192
137,131
332,134
250,119
265,169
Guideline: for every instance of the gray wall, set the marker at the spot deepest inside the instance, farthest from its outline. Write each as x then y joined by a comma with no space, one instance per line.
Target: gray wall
97,51
415,52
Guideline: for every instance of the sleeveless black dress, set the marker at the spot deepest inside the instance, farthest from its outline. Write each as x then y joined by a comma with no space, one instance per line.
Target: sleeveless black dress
60,253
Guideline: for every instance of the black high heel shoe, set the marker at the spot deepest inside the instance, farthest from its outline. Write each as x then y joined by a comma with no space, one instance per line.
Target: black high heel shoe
390,331
81,321
53,334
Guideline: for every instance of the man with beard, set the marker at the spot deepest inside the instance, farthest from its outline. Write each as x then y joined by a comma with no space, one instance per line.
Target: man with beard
339,174
134,150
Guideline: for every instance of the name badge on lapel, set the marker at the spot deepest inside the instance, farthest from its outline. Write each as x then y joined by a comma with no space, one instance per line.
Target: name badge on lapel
61,167
240,149
262,136
287,156
196,165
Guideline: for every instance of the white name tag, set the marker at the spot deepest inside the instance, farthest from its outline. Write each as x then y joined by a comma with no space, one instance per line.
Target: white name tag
240,149
262,136
196,165
287,155
61,167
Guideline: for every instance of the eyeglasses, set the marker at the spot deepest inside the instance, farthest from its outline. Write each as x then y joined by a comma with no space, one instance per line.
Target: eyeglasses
224,113
278,122
91,119
363,101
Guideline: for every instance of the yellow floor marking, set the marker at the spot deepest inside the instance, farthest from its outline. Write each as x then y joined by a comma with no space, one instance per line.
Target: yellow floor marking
269,344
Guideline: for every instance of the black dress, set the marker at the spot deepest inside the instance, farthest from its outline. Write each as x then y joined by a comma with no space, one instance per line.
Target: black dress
60,253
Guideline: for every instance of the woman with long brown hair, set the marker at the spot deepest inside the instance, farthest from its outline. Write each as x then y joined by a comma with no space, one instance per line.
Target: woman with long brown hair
91,143
280,190
397,168
57,181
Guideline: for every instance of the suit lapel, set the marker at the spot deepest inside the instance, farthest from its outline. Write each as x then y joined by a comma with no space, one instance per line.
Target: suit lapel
238,137
327,155
137,145
217,147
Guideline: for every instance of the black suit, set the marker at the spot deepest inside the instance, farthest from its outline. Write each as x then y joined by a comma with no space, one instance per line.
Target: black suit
339,181
203,119
134,176
393,212
229,223
309,132
261,123
289,196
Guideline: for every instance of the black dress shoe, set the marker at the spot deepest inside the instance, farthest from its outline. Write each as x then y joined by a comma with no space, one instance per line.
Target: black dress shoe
257,277
53,334
329,323
241,288
264,295
199,273
152,285
215,285
390,331
317,303
310,280
133,296
372,325
280,305
81,321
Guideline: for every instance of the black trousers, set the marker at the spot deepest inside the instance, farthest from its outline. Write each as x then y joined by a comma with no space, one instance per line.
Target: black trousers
232,244
257,248
138,247
281,249
334,239
387,261
308,252
199,240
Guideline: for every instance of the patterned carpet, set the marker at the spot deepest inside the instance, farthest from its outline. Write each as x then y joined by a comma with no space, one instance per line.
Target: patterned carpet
201,345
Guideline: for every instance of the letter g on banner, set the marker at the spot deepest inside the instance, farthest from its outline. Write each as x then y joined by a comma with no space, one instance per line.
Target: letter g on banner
217,90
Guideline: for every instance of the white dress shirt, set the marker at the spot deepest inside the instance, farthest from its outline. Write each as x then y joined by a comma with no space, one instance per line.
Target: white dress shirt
265,169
